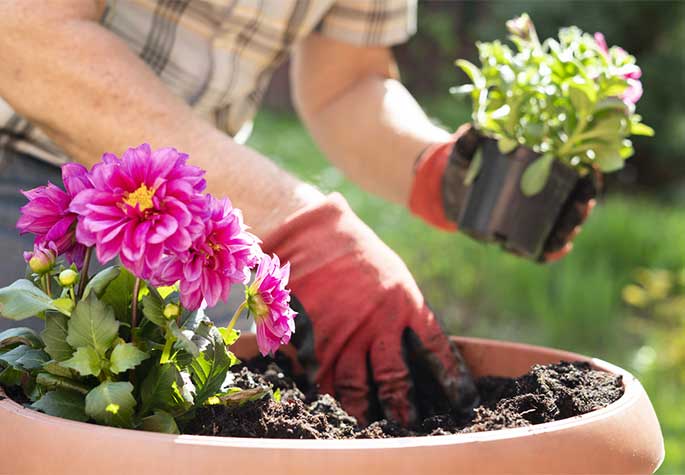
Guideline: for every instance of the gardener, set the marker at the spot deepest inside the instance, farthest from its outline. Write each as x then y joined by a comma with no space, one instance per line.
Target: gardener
82,77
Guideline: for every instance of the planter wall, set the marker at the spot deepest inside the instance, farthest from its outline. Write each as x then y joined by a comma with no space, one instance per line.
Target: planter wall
624,437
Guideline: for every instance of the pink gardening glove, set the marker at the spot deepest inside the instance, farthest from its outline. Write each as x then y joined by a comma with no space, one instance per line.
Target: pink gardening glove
365,333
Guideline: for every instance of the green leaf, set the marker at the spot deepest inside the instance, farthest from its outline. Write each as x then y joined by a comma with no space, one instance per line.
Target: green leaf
160,389
473,170
240,397
536,174
19,335
126,356
611,103
580,100
99,282
65,404
50,381
24,357
85,361
231,336
161,421
92,324
118,295
112,404
11,376
641,129
472,72
209,370
23,299
55,337
507,145
183,341
65,305
54,367
153,309
608,158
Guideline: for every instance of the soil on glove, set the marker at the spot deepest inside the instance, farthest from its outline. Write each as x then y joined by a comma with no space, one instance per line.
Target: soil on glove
547,393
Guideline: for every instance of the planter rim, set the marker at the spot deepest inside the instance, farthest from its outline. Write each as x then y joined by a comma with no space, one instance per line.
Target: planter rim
631,385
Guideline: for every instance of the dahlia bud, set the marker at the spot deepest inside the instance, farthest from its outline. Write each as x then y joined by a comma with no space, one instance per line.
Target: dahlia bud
42,259
171,310
68,277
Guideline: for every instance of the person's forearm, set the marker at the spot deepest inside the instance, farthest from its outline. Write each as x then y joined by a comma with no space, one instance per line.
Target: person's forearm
366,122
91,94
374,133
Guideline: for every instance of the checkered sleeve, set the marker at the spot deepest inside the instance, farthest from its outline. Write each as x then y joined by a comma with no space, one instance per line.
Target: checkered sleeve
370,22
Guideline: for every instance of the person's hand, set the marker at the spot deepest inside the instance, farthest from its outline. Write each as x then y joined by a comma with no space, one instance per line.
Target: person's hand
439,192
365,333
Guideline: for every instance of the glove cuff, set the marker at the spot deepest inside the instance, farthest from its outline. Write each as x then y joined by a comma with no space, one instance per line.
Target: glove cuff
426,197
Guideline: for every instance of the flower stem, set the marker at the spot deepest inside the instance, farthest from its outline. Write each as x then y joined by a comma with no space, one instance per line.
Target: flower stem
84,272
237,313
134,308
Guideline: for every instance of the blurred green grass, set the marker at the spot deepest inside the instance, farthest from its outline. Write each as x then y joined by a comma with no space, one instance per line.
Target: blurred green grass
478,290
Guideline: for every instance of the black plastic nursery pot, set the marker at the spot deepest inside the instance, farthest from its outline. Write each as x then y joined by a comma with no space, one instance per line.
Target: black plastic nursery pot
496,209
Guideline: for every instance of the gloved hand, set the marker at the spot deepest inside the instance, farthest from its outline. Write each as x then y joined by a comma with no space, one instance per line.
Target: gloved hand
364,332
438,191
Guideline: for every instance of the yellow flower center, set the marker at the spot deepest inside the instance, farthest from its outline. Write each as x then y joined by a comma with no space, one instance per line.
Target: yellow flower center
141,197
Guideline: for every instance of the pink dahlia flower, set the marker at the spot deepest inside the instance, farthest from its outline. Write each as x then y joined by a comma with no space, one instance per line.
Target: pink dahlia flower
268,300
141,205
630,72
219,257
47,213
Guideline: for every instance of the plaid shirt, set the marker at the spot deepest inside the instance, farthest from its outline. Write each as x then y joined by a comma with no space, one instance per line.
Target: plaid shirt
219,55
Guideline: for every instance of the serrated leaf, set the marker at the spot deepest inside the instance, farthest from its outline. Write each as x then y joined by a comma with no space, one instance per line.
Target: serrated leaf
99,282
153,309
641,129
126,356
11,376
23,300
55,337
112,404
209,370
61,403
118,295
19,335
536,174
85,361
231,336
23,357
54,367
160,389
50,381
182,339
161,421
92,324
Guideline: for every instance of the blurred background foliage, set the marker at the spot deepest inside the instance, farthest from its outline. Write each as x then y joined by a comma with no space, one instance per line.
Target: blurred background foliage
620,295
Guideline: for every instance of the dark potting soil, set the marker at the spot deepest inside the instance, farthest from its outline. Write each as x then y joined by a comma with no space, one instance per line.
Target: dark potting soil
547,393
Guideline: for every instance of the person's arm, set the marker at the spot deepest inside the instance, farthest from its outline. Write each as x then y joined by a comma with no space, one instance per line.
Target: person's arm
362,117
91,94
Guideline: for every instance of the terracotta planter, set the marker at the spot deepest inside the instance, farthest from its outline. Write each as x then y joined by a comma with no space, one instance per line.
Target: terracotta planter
624,437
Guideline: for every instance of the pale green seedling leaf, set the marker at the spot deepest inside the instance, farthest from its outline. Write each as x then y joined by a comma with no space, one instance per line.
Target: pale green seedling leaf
112,404
536,174
641,129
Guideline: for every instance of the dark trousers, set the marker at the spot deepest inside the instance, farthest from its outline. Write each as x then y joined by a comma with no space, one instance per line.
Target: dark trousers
18,172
